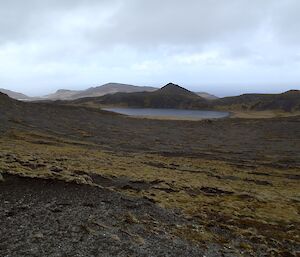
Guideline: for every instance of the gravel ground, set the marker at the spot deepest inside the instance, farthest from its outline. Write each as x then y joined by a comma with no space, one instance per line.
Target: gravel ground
50,218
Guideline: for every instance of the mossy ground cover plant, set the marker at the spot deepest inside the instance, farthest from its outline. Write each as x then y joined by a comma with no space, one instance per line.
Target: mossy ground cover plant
242,206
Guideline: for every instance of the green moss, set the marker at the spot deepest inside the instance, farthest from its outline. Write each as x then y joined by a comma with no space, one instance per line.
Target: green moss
267,211
245,246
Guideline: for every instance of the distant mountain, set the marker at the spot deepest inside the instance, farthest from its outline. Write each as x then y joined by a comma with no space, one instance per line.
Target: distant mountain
288,101
112,88
109,88
169,96
207,95
174,96
15,95
62,94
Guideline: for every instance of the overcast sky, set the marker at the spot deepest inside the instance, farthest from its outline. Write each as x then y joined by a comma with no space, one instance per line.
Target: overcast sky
225,47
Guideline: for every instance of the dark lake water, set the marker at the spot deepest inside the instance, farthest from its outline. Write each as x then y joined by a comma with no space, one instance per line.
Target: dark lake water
169,113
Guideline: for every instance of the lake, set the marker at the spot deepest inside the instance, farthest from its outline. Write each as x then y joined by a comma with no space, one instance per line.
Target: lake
169,113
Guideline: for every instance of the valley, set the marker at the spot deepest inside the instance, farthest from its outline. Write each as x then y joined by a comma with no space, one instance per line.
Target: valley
225,187
172,96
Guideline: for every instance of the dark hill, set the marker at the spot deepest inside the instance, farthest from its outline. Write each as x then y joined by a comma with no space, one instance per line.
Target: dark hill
3,97
169,96
175,90
9,108
174,96
6,103
288,101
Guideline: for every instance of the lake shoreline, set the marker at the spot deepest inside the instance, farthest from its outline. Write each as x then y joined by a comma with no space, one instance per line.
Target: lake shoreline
232,114
170,114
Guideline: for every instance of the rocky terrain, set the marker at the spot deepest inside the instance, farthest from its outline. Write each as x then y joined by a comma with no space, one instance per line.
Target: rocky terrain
79,181
52,218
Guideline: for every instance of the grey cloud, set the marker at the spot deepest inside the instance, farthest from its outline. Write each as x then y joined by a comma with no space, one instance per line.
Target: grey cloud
136,22
24,20
285,21
184,22
79,41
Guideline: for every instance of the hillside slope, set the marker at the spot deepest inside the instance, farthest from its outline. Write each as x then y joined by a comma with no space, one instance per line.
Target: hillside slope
7,104
288,102
14,95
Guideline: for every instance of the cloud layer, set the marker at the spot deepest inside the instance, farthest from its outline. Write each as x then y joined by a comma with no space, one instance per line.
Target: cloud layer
224,47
